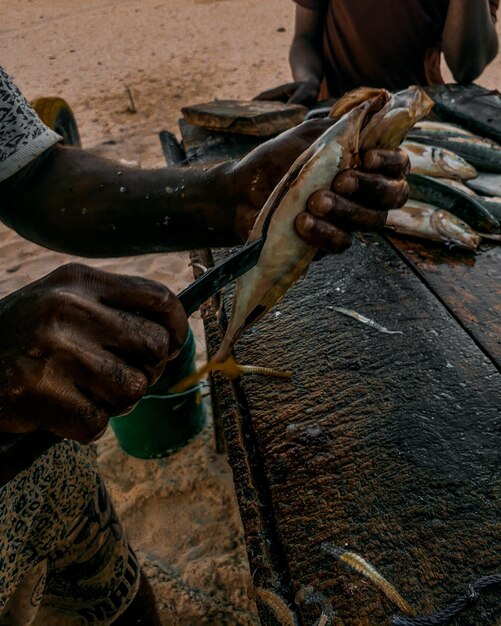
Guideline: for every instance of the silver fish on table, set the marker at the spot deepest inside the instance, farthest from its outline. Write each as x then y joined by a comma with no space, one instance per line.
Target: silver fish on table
419,219
457,184
484,154
370,118
467,208
491,203
442,129
487,184
437,162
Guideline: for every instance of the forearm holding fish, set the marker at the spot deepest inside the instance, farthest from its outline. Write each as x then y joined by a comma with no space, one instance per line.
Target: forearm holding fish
470,41
79,203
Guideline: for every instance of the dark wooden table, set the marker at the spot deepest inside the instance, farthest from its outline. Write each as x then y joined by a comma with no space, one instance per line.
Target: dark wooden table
387,445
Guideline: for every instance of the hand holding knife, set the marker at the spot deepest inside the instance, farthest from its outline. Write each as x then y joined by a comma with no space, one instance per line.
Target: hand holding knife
206,286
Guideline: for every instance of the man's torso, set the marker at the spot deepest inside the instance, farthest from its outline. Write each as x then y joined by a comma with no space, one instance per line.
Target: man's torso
382,43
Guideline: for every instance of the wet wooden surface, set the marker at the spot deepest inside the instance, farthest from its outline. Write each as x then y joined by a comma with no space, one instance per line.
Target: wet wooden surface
384,444
255,118
468,284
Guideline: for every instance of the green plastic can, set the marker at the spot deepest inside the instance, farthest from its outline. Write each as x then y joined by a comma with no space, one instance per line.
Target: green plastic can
164,422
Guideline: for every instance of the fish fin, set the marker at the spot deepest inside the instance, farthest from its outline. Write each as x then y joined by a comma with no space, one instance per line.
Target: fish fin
189,381
229,367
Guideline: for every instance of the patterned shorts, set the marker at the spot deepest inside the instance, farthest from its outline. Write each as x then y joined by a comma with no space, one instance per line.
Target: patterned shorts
64,559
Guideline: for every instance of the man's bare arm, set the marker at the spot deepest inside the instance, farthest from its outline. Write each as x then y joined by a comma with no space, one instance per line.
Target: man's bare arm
470,41
306,61
305,56
76,202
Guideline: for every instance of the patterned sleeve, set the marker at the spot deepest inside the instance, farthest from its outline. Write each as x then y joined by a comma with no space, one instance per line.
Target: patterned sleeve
23,136
314,5
494,9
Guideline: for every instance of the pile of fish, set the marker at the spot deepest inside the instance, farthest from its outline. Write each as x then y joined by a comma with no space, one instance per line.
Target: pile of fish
455,186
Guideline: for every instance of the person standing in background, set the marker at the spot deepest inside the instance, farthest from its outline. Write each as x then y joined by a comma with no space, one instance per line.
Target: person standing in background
339,45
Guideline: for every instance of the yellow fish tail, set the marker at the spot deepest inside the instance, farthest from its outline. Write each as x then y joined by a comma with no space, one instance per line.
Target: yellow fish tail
229,367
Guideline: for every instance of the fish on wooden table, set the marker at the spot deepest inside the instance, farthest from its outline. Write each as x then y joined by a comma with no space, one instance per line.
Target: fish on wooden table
460,204
370,118
487,184
458,184
419,219
484,154
441,129
492,204
437,162
470,106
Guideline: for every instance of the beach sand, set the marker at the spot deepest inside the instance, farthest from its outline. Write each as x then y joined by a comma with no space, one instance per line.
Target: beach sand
180,513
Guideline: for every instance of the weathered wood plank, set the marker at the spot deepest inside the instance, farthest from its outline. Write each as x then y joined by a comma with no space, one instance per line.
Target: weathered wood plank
469,285
256,118
384,444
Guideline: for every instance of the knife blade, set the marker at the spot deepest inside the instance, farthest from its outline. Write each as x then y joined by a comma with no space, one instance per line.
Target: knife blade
219,276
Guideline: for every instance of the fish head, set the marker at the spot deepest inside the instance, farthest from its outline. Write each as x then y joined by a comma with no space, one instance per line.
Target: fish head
335,150
434,161
452,163
351,100
389,126
455,231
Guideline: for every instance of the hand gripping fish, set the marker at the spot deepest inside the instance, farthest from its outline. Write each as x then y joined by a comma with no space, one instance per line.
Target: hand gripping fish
371,118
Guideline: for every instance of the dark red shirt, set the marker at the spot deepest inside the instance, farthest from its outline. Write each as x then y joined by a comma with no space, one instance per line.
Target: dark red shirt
382,43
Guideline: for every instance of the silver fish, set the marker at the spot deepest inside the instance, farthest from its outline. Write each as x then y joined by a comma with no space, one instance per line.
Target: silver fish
487,184
285,256
437,162
467,208
419,219
491,203
481,153
442,129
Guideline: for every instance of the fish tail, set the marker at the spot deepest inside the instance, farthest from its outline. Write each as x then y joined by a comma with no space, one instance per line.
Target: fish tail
265,371
192,379
229,367
363,567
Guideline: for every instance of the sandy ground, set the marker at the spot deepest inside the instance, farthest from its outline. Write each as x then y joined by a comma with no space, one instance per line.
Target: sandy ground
180,513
